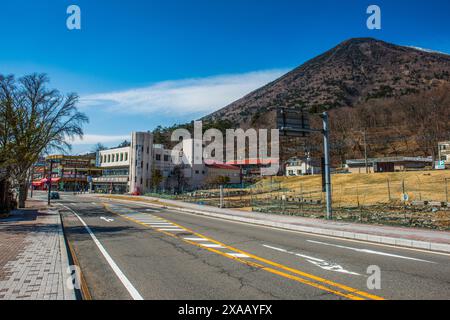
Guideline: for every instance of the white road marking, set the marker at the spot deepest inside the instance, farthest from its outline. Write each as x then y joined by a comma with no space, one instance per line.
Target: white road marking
94,203
196,239
106,219
296,254
310,234
330,266
238,255
130,288
210,245
370,251
172,229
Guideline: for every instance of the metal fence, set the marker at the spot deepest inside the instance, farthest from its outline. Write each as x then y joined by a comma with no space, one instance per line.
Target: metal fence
410,202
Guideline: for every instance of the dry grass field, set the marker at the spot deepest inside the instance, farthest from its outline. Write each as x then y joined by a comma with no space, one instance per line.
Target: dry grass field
366,189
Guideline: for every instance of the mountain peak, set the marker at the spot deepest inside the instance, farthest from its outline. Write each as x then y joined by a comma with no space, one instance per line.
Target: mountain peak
355,71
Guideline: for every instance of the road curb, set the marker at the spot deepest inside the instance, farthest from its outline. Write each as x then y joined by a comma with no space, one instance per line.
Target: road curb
399,242
82,293
69,294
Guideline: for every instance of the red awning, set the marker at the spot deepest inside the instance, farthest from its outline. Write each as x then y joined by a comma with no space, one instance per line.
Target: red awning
53,180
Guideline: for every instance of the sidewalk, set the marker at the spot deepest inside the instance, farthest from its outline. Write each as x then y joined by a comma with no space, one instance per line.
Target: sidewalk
399,236
33,256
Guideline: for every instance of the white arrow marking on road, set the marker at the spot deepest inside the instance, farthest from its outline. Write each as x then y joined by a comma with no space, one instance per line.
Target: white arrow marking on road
106,219
369,251
330,266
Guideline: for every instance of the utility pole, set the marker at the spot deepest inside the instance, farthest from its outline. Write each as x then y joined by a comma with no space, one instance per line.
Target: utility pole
50,182
326,150
365,151
446,190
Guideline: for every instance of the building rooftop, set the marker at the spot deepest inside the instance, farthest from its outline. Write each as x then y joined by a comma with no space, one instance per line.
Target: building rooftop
390,159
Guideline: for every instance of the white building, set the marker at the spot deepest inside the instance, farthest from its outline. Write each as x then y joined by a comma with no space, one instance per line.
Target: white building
302,167
115,165
129,169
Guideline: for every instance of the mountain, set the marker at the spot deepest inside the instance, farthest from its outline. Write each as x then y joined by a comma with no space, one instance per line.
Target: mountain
355,72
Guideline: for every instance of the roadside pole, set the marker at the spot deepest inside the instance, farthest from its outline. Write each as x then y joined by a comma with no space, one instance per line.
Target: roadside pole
365,152
296,124
326,150
32,178
50,182
221,196
446,190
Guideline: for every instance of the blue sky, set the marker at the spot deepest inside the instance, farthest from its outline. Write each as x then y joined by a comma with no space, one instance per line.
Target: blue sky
137,64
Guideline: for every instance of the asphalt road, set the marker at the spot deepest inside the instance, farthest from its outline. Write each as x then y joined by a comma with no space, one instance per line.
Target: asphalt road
141,251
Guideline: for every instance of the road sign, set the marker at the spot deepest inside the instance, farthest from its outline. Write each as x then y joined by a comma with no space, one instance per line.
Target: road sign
294,123
439,165
405,197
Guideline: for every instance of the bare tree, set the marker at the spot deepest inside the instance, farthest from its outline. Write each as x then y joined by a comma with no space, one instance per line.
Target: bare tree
43,120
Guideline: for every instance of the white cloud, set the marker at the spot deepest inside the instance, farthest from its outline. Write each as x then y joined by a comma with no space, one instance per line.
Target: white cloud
90,139
182,97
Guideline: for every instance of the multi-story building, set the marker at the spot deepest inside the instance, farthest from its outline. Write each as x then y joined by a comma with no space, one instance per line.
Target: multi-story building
68,173
115,166
127,169
130,169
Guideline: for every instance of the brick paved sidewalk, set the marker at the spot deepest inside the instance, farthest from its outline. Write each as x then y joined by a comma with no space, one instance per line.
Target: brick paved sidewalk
33,256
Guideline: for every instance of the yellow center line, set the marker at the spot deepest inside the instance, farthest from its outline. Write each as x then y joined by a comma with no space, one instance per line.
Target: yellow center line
351,291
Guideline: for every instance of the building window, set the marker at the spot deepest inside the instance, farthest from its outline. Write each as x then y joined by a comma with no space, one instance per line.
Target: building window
148,150
121,157
197,172
166,157
158,157
109,158
126,156
142,165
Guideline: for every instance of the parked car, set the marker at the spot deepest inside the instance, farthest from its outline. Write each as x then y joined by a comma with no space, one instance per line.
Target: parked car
54,195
